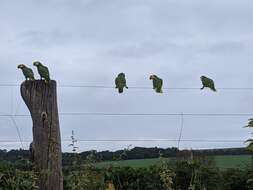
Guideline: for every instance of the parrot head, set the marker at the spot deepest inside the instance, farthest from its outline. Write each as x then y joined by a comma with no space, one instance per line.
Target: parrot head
21,66
121,75
152,77
37,63
203,77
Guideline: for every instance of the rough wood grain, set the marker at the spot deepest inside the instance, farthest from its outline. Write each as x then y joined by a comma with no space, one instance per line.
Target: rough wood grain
41,100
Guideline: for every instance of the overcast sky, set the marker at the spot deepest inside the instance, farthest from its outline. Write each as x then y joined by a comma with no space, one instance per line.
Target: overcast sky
88,42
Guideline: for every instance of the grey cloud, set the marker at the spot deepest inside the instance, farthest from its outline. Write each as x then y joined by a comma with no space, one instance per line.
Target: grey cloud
139,50
36,38
90,41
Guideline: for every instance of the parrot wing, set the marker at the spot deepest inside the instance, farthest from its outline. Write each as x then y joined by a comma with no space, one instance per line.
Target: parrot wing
28,73
44,72
154,83
120,83
117,82
212,86
159,85
205,82
208,83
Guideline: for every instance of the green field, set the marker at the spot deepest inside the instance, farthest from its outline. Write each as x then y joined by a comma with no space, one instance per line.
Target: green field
223,162
132,163
239,161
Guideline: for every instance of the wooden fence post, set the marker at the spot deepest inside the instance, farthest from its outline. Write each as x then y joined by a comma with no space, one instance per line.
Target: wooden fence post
41,100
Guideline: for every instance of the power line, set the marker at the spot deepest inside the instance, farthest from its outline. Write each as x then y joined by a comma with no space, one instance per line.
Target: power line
14,121
134,87
9,85
148,88
139,140
159,140
157,114
18,131
181,131
140,114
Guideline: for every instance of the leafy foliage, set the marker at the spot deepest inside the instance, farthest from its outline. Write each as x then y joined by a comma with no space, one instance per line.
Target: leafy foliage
15,179
197,174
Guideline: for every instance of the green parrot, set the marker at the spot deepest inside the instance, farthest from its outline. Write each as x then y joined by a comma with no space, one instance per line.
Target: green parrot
42,70
27,72
207,82
157,83
120,82
250,123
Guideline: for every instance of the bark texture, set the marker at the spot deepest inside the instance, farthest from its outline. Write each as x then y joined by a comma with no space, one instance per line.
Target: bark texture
41,100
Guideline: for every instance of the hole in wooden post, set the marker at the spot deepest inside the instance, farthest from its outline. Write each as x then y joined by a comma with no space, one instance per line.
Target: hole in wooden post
43,116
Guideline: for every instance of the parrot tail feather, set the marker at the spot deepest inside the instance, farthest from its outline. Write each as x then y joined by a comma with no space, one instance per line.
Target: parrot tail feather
159,90
120,90
214,89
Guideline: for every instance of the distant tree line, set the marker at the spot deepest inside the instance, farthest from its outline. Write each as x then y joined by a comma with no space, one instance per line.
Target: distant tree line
135,153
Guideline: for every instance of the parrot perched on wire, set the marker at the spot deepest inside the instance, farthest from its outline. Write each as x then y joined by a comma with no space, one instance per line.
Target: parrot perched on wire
120,82
157,83
42,70
28,73
208,83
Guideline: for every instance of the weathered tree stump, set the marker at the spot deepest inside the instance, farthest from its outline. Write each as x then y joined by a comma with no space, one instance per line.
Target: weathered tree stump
41,100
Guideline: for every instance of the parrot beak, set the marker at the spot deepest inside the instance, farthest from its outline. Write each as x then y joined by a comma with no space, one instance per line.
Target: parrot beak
20,66
151,77
36,63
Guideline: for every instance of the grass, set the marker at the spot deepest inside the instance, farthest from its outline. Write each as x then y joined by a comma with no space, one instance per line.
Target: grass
223,162
140,163
239,161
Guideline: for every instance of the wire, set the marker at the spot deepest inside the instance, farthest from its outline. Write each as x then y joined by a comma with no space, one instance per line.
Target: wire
140,114
156,114
13,119
18,131
181,130
139,140
157,140
148,88
134,87
9,85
